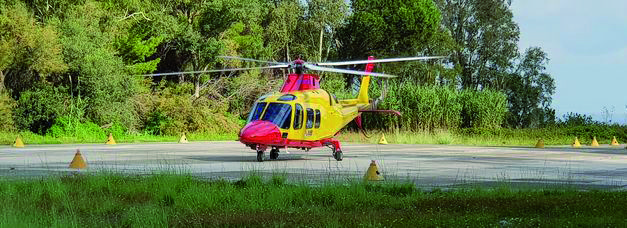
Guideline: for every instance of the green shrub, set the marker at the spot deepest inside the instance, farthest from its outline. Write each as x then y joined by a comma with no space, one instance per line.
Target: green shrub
37,110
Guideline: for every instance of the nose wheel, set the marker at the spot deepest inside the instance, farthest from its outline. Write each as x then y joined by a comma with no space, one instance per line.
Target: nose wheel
274,153
260,155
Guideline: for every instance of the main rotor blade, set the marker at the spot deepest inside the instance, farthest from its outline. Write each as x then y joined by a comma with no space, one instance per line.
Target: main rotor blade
251,60
222,70
380,60
328,69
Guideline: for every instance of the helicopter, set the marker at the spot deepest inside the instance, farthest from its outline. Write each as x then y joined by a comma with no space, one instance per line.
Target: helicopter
302,115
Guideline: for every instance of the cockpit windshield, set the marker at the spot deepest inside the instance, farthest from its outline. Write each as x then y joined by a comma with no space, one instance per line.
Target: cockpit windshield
279,114
256,112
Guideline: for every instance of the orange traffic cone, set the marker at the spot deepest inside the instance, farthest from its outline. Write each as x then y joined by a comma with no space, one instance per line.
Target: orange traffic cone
373,174
614,142
594,143
18,142
382,140
183,139
540,143
78,162
110,140
576,144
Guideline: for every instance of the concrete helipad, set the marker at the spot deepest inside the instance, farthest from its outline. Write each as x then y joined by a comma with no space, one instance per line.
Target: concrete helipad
426,165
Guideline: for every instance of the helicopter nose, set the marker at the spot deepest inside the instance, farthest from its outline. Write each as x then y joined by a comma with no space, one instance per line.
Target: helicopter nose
260,132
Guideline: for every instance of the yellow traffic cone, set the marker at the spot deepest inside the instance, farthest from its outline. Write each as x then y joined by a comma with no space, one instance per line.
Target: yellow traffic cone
382,140
540,143
78,162
594,142
614,142
576,144
18,142
110,140
183,139
373,174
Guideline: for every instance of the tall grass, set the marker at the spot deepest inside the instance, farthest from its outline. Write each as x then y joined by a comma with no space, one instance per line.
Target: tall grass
32,138
177,200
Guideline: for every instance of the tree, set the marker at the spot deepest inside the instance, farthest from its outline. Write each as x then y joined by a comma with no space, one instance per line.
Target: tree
389,28
282,26
29,53
394,29
487,39
487,57
96,73
326,15
529,91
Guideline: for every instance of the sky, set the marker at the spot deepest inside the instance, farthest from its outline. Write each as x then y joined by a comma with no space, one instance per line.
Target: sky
586,42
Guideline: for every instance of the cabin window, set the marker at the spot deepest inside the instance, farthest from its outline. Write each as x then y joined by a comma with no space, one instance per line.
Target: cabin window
298,117
317,125
287,97
335,98
256,112
310,118
279,114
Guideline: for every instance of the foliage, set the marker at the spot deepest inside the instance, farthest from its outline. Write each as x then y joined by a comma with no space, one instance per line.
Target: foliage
135,48
73,65
487,57
487,38
244,91
96,74
29,52
576,119
389,28
37,109
6,112
282,28
172,112
529,92
397,28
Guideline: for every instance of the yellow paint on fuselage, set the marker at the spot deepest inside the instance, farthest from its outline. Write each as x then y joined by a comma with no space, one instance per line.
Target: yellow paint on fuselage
334,114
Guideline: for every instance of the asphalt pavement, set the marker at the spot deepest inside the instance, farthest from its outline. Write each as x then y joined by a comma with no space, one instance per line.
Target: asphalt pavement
429,166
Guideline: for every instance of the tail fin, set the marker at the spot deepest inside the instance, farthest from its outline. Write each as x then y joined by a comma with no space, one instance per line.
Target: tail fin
365,83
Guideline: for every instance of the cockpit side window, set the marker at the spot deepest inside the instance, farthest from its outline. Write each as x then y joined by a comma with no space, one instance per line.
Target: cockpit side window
256,112
298,117
310,118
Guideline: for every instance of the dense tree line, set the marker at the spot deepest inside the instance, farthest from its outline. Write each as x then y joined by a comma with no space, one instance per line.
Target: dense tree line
68,63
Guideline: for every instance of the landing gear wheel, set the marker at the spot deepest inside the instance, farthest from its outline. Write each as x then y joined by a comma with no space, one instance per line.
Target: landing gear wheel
338,155
260,156
274,154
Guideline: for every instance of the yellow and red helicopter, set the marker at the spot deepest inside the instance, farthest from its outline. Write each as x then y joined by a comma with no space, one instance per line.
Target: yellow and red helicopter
302,115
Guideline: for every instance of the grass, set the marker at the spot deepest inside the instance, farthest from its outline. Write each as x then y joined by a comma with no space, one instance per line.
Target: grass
453,138
504,137
160,200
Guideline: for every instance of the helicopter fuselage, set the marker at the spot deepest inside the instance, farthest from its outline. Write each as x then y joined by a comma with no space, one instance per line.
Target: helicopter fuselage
301,119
